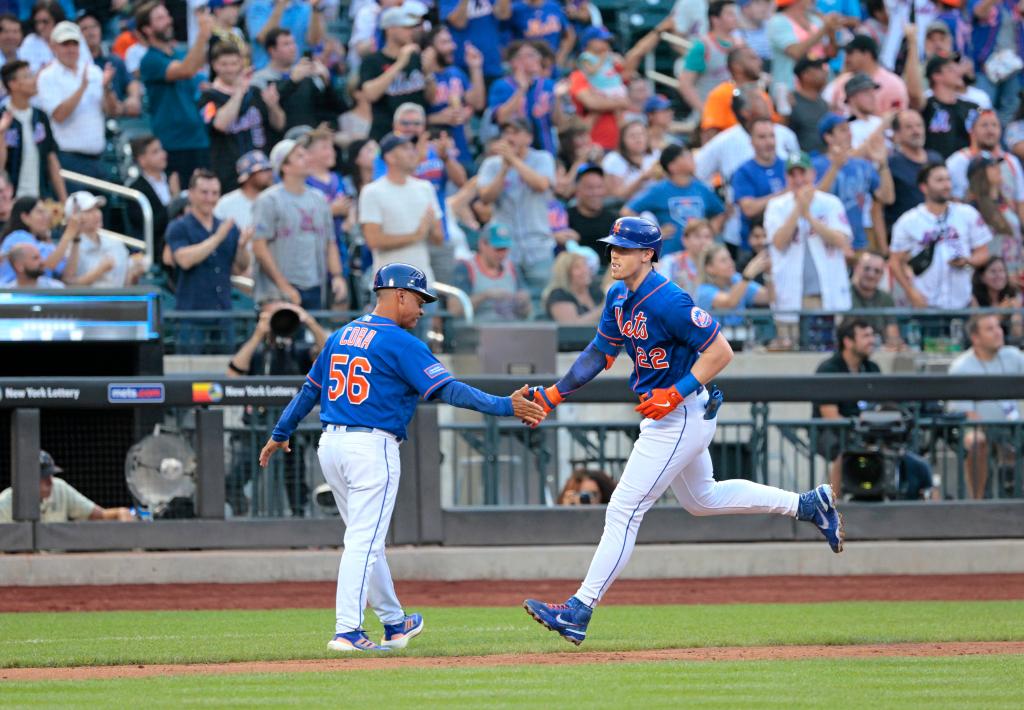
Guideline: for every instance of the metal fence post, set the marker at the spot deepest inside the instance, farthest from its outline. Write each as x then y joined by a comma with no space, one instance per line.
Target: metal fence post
25,464
417,507
210,464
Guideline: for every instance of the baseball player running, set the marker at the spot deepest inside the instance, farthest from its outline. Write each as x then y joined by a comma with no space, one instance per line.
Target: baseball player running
367,380
676,349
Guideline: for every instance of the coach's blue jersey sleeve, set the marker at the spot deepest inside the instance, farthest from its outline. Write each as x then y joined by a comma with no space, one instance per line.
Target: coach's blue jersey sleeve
421,370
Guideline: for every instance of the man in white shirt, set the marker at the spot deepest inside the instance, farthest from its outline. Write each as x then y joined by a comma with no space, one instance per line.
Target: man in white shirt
809,238
937,245
862,100
76,96
988,355
96,259
400,213
985,142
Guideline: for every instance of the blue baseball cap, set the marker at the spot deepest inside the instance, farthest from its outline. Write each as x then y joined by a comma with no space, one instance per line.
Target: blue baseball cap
497,235
830,121
250,163
592,33
658,102
391,141
217,4
588,168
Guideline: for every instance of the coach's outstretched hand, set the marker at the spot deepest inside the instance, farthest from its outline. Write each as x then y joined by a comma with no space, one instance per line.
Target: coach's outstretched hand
269,450
526,410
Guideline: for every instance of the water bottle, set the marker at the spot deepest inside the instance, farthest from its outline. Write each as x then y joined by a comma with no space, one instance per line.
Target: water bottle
914,335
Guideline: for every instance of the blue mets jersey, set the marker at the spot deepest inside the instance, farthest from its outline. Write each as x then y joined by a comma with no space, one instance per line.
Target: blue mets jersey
661,328
372,373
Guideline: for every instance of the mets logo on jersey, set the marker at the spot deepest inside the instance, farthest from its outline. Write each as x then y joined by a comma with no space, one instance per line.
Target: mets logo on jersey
635,328
700,317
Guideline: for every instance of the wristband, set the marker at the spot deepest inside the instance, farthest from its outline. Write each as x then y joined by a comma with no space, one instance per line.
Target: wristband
235,368
688,385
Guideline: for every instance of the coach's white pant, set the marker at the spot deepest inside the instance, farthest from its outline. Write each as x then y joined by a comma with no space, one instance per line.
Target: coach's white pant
672,451
362,469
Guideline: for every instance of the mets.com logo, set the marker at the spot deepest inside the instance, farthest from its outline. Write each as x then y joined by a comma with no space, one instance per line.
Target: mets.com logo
134,393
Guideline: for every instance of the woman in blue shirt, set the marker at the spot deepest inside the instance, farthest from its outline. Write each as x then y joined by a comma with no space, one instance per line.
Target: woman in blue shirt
724,290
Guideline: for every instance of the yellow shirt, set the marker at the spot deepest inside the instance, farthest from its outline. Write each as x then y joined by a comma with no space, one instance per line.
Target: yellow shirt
64,504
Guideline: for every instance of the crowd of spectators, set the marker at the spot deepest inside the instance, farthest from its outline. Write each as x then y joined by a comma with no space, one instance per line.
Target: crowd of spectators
805,154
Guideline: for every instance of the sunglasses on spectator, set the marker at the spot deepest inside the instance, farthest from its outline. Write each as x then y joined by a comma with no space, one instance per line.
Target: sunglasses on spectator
410,124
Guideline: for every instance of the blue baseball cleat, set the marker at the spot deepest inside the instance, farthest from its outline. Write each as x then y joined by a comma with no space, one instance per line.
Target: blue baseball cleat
569,619
398,635
353,641
818,506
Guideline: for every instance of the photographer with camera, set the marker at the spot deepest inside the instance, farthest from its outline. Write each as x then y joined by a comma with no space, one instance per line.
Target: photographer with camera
856,340
277,346
587,487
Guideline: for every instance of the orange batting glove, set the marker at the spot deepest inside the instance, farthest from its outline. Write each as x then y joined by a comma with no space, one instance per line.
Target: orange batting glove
547,397
659,402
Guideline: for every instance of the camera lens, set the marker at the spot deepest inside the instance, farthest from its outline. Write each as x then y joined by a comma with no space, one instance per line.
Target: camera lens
585,499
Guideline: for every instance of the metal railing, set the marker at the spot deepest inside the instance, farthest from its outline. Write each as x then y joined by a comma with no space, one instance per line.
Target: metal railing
126,192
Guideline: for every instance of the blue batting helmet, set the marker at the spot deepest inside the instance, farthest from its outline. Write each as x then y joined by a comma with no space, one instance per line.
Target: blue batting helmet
404,276
635,233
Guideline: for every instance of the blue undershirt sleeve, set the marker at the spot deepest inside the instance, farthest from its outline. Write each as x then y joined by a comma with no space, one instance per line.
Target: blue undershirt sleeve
459,394
296,411
588,365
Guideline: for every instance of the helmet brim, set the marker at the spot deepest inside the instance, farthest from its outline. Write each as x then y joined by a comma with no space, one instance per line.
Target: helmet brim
427,296
613,240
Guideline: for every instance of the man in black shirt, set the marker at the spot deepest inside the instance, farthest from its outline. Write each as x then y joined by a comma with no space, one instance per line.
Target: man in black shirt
808,106
236,115
908,157
394,76
589,217
946,116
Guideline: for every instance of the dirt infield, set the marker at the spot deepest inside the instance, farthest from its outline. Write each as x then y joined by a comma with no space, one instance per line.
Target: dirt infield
320,595
363,663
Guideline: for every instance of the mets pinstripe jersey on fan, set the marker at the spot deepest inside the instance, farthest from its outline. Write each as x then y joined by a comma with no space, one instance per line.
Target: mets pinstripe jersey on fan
661,328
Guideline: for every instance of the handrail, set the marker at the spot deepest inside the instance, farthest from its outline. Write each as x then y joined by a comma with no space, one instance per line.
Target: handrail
459,295
114,188
124,239
680,42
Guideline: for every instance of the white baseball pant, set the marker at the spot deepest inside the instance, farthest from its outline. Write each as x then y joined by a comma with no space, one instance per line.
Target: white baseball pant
672,451
362,469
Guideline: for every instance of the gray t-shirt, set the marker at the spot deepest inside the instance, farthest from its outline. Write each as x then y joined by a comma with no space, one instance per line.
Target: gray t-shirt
522,210
1008,361
298,229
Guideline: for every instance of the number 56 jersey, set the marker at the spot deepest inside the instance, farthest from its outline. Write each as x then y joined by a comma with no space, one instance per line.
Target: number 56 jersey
660,327
372,373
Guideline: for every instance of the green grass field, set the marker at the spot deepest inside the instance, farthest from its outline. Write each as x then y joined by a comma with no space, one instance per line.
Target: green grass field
104,638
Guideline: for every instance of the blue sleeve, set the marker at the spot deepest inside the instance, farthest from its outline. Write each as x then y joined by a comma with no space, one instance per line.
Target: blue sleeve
301,405
588,365
154,66
501,91
748,298
821,165
176,236
420,369
742,185
706,296
874,179
459,394
851,8
712,205
609,338
646,200
689,323
256,15
447,7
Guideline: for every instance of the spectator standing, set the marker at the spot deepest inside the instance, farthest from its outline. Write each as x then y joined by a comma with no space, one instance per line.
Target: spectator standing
659,114
169,75
394,75
35,48
759,179
947,117
30,224
226,16
862,102
127,88
525,94
939,242
855,181
589,217
876,21
77,96
456,95
634,165
985,192
10,37
724,290
253,176
808,106
59,501
304,20
573,297
986,135
988,355
238,117
477,23
293,241
685,267
401,235
28,151
544,21
95,259
797,31
865,294
206,252
809,237
678,198
706,63
905,162
322,177
26,269
490,278
745,69
518,180
998,43
753,26
862,58
159,189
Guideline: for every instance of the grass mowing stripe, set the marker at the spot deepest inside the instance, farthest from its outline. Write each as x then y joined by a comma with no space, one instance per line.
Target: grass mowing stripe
961,682
105,638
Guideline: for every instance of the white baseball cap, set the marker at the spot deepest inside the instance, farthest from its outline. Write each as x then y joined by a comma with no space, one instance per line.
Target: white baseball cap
400,17
82,201
65,31
280,153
